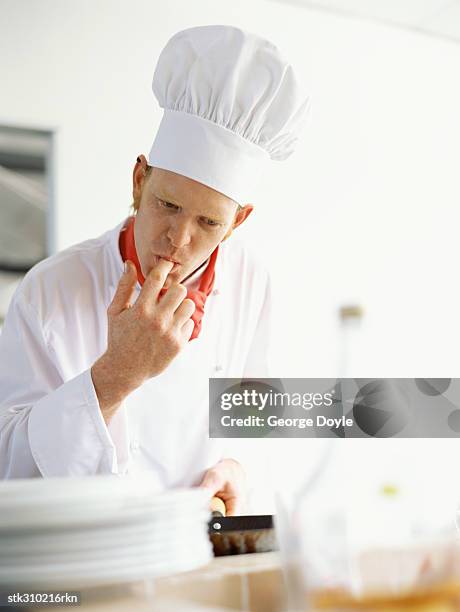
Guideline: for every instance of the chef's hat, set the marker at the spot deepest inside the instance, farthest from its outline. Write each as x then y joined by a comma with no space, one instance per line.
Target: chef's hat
230,101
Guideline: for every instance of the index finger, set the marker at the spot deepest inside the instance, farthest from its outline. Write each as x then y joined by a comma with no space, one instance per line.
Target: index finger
155,281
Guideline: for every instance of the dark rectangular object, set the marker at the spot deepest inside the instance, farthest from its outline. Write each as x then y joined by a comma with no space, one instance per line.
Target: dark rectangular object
240,523
236,535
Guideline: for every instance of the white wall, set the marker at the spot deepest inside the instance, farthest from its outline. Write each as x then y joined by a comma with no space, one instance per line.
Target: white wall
366,211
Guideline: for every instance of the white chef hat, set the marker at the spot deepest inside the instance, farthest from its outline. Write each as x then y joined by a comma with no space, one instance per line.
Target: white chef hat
230,101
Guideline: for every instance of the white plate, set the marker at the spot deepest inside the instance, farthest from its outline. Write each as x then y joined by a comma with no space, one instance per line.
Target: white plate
75,581
53,518
154,503
79,576
70,484
82,490
68,546
83,495
165,530
115,554
92,560
35,517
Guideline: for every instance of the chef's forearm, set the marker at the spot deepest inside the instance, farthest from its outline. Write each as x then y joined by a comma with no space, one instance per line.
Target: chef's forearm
110,386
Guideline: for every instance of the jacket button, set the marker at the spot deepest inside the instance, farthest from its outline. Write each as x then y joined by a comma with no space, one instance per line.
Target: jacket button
219,368
216,292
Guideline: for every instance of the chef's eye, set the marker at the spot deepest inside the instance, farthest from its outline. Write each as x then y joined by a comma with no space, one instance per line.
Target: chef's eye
210,222
168,205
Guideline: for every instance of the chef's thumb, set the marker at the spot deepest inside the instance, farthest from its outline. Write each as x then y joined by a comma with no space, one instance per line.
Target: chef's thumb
126,285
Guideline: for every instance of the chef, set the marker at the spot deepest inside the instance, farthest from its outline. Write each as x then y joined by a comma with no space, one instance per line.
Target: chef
108,346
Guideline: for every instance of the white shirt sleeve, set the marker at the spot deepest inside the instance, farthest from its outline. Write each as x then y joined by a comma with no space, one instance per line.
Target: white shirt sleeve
48,426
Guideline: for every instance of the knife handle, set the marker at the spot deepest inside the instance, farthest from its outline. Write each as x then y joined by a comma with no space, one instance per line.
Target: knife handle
217,507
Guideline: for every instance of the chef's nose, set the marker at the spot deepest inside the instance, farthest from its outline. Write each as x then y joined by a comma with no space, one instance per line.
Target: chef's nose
179,233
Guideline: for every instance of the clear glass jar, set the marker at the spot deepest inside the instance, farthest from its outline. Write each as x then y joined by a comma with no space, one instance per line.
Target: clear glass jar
380,540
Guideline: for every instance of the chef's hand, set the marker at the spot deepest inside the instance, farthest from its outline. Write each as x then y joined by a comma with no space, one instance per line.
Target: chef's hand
143,338
227,480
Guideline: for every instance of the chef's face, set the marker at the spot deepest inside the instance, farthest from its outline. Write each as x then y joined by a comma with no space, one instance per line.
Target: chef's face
179,219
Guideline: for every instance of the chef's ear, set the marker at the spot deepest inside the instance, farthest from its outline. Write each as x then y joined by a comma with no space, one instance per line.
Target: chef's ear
139,173
241,215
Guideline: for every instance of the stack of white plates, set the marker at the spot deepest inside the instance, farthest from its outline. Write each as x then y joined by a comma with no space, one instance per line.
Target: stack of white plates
77,532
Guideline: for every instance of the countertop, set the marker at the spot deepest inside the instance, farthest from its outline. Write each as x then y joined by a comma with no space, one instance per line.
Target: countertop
249,583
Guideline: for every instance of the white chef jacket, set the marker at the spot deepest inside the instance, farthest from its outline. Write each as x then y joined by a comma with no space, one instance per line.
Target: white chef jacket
56,328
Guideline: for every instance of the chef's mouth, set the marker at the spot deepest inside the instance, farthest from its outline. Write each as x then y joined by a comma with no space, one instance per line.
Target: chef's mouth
158,258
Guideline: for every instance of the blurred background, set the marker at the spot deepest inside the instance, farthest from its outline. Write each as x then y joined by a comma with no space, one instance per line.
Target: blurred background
359,228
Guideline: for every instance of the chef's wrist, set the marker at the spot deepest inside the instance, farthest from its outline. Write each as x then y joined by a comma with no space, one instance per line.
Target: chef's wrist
110,387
